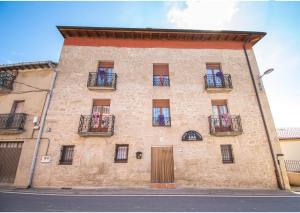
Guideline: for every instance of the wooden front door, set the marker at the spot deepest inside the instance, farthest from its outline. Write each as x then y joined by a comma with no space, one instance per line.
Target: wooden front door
162,165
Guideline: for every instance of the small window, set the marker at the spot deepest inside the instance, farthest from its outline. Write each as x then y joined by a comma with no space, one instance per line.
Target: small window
227,155
161,75
66,157
121,154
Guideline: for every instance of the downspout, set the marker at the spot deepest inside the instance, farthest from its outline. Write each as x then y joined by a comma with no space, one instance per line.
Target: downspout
43,119
279,183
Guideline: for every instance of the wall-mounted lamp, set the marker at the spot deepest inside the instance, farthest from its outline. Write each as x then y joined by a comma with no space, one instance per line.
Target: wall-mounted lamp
268,71
139,155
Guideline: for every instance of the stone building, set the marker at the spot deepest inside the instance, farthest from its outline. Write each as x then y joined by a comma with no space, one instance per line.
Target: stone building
23,92
158,108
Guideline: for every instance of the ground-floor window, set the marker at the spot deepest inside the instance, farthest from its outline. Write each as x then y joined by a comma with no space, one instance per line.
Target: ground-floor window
66,157
227,154
121,154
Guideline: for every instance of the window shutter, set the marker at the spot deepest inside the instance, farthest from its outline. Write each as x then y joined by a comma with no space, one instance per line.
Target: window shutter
106,64
161,103
101,102
160,69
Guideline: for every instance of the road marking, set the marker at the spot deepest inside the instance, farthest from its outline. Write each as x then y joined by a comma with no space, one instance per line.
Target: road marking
149,195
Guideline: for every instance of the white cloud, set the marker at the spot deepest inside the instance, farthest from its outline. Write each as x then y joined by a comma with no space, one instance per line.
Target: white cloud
203,14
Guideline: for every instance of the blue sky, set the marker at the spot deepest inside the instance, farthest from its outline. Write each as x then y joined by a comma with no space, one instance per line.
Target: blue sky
28,33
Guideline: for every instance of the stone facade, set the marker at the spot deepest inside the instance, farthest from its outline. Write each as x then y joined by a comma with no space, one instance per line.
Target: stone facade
196,164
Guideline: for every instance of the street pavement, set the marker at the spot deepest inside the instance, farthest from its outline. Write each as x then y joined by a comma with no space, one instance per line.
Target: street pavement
139,200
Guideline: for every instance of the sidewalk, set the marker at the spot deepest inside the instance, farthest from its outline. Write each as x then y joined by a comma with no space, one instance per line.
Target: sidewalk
150,191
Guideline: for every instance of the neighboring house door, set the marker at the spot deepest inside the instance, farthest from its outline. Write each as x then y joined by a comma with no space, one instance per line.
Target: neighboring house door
221,119
162,165
100,116
9,160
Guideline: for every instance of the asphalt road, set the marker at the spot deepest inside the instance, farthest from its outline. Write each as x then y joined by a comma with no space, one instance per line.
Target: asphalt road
137,203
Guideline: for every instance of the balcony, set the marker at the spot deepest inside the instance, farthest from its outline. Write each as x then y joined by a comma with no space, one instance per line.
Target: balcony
225,125
6,82
218,83
107,81
100,126
161,121
12,123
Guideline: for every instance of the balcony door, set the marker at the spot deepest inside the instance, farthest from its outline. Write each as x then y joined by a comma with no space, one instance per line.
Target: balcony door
14,118
221,119
215,77
100,115
161,112
105,74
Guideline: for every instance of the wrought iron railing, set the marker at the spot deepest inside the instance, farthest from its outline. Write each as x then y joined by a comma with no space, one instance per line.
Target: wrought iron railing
14,121
292,165
161,121
161,81
218,81
96,124
6,80
108,80
225,123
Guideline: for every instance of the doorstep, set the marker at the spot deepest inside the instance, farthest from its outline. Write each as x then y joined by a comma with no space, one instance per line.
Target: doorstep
163,185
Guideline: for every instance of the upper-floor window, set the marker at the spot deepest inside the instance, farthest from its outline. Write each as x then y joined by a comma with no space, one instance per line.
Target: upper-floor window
215,77
161,75
161,112
99,122
100,115
220,118
17,107
105,75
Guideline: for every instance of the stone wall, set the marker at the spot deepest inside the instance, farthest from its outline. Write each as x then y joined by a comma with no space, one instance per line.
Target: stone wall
197,164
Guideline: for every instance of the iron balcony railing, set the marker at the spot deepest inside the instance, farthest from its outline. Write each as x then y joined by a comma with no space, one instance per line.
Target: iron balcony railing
6,81
218,81
14,121
161,81
108,80
161,121
225,123
292,165
96,125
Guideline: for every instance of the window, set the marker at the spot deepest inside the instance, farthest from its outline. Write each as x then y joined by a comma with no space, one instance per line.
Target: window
66,157
161,75
17,107
221,120
105,74
227,155
215,77
100,115
121,153
161,112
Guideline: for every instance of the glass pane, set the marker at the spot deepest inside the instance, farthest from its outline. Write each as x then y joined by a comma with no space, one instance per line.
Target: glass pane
156,112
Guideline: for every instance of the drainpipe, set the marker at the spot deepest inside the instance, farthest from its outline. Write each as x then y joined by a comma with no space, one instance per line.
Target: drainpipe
43,119
279,181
